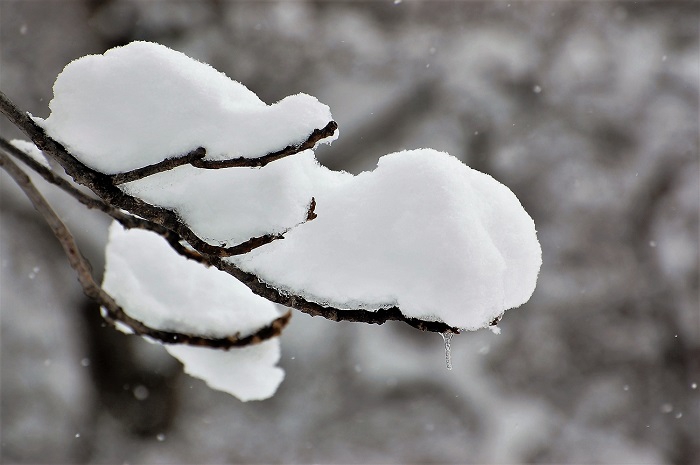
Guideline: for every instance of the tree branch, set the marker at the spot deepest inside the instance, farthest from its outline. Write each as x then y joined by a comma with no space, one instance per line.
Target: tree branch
165,165
196,158
113,312
315,137
378,317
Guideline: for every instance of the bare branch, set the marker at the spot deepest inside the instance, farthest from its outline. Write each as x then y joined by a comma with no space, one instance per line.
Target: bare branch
114,313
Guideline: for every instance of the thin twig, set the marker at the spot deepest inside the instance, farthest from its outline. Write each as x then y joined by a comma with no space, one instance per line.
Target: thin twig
165,165
114,313
196,158
315,137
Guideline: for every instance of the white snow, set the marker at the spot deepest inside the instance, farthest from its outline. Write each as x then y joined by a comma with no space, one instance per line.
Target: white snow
30,149
249,373
166,291
422,231
141,103
169,292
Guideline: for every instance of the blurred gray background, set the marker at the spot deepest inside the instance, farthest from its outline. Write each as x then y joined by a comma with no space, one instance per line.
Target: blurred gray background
588,111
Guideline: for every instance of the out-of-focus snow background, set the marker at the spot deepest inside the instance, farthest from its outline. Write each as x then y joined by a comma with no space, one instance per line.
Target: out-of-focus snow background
588,111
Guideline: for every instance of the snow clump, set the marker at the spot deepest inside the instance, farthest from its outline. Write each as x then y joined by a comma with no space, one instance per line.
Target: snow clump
423,231
139,104
169,292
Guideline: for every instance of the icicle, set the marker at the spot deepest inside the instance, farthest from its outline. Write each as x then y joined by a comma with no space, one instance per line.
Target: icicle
447,337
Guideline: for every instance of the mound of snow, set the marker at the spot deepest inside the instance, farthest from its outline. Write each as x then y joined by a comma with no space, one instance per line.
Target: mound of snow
422,231
139,104
166,291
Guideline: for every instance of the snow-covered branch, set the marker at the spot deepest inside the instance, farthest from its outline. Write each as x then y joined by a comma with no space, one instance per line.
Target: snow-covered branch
316,136
112,312
196,158
165,165
175,150
165,223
